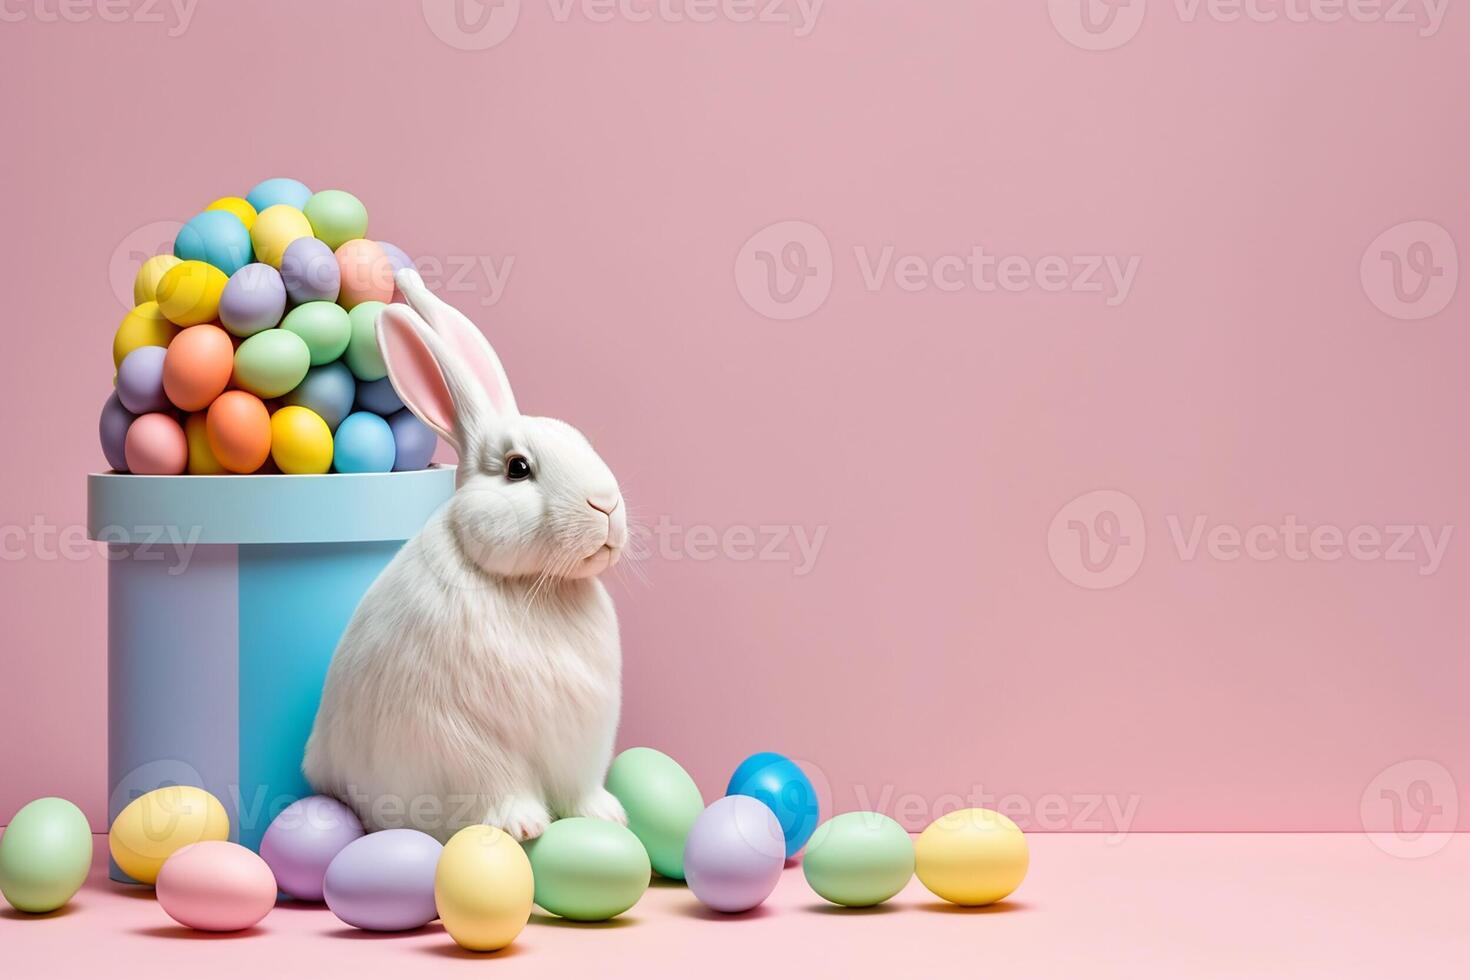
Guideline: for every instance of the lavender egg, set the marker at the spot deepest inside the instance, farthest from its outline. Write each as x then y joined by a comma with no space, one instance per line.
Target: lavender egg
378,397
414,440
734,854
253,300
384,881
140,381
113,429
301,843
310,271
397,257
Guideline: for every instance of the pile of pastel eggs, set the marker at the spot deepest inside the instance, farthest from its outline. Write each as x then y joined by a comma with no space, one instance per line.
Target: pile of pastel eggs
252,346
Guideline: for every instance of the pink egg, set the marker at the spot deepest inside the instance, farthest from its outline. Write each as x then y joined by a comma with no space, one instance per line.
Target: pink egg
367,273
155,446
216,886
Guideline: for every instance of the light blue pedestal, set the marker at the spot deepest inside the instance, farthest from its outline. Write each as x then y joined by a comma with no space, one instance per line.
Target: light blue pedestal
226,598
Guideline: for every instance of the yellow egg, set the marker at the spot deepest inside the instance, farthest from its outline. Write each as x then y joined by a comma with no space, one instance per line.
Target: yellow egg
145,286
202,461
483,888
237,206
144,326
276,227
301,442
188,293
971,857
155,825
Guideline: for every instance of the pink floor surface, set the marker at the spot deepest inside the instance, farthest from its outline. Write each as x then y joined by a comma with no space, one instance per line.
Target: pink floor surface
1165,905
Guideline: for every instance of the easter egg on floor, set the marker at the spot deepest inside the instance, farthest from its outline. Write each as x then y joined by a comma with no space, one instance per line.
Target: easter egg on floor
859,859
254,299
483,888
112,428
780,784
151,828
661,800
301,843
309,270
45,854
276,228
216,886
140,381
301,443
202,461
972,857
271,363
145,283
238,426
379,397
336,217
588,870
143,326
384,881
413,441
734,855
328,390
156,446
217,237
366,272
363,355
278,190
189,293
363,444
237,206
324,326
197,366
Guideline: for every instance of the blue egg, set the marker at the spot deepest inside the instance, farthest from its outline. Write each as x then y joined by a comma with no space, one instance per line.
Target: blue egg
327,390
780,784
216,237
415,441
363,444
278,190
378,397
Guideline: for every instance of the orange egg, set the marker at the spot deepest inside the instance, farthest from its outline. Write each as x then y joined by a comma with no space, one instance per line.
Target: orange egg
367,273
197,367
239,431
201,457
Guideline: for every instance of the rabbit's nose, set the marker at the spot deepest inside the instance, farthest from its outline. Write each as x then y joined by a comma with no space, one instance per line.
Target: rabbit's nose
605,503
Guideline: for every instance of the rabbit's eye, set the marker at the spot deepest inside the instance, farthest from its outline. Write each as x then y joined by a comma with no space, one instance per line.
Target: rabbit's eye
516,468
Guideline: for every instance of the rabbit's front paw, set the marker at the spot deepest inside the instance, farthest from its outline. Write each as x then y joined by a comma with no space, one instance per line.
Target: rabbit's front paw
600,805
522,817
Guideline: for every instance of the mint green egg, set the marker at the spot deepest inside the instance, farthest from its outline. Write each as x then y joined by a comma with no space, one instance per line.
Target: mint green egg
859,859
588,870
336,217
662,803
45,854
363,357
271,363
324,326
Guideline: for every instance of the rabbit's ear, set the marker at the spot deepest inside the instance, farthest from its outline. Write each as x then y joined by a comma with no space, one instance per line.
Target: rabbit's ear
431,379
463,337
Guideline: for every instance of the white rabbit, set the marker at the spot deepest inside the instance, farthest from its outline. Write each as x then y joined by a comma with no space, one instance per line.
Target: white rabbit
480,678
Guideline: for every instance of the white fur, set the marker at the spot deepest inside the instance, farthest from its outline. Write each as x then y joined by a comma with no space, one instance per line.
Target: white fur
479,680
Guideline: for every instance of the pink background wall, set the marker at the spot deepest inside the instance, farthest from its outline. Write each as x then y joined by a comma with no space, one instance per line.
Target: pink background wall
1256,367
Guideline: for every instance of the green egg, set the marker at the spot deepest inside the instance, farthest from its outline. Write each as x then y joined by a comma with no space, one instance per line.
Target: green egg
336,217
859,859
662,803
363,357
45,854
324,326
271,363
588,870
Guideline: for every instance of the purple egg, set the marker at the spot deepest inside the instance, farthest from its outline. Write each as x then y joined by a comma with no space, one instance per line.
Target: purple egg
378,397
384,881
397,257
113,428
300,844
254,300
734,854
140,381
310,271
413,440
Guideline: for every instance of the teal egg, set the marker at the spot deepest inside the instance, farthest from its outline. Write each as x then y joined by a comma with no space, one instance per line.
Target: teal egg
45,854
859,859
588,870
278,190
363,355
336,217
662,803
216,237
271,363
364,444
324,326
